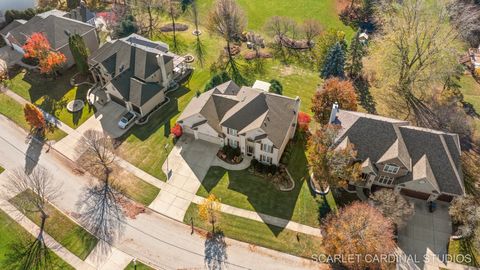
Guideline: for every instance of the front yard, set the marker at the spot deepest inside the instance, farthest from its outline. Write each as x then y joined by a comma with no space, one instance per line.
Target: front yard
261,234
69,234
52,95
459,249
12,235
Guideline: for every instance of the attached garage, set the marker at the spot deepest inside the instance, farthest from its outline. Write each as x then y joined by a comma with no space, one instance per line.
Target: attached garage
445,198
415,194
208,138
118,100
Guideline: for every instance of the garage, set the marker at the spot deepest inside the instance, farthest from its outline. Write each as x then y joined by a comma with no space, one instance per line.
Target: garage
445,198
415,194
207,138
117,100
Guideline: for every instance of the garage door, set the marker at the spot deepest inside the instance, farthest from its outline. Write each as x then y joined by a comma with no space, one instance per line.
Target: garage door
445,198
208,138
415,194
117,100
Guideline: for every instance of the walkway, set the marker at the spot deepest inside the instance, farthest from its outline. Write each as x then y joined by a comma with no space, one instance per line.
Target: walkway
233,167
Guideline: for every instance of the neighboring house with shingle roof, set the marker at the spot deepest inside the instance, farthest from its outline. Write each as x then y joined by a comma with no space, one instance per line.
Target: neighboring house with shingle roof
258,122
56,27
135,72
417,162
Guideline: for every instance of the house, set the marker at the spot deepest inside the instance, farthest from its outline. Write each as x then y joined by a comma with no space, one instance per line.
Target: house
82,13
16,5
258,122
56,27
417,162
135,72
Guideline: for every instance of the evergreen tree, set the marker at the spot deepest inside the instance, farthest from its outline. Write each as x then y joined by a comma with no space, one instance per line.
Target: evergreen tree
127,26
217,79
79,52
334,62
276,87
356,52
71,4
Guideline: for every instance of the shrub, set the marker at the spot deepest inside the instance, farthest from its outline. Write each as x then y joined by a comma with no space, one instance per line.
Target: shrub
217,79
176,130
303,121
231,152
276,87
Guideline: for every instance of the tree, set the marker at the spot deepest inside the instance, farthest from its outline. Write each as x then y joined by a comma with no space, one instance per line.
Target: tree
72,4
227,20
35,119
331,165
359,229
311,29
276,87
127,26
334,63
333,90
151,9
303,120
209,210
173,10
326,41
466,18
33,193
217,79
393,206
99,150
37,46
200,51
356,53
52,63
79,52
418,51
466,211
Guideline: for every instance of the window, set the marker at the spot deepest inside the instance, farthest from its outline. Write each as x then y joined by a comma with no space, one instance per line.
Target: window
389,168
386,180
232,143
232,131
266,148
265,159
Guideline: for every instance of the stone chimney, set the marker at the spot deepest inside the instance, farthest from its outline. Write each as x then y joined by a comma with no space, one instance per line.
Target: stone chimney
333,114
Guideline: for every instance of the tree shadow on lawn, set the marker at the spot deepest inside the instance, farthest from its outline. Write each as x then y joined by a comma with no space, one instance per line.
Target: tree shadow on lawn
41,86
162,117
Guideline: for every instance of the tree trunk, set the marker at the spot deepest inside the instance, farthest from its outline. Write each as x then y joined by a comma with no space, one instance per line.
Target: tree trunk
43,217
174,31
150,22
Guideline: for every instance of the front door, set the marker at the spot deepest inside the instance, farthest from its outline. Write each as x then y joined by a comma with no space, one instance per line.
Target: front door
250,150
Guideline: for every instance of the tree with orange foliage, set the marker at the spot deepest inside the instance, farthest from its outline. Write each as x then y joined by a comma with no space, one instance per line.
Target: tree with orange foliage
176,130
333,90
359,233
52,62
303,121
331,165
38,47
35,119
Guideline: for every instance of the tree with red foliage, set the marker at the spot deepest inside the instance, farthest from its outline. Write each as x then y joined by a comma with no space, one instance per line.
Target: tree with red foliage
38,47
35,118
333,90
359,229
303,121
52,62
176,130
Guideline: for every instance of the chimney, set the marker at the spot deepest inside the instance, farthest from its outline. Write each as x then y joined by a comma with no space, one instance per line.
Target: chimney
333,114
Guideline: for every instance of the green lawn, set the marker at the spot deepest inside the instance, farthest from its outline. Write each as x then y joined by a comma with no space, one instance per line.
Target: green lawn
1,169
69,234
139,190
244,190
14,111
140,266
464,247
52,95
260,234
12,233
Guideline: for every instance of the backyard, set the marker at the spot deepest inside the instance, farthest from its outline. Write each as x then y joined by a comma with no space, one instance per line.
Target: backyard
69,234
52,95
13,235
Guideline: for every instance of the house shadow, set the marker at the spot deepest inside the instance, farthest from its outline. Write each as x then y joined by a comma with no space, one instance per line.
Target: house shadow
32,155
265,199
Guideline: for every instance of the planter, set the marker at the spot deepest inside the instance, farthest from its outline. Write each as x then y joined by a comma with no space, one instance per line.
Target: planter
317,190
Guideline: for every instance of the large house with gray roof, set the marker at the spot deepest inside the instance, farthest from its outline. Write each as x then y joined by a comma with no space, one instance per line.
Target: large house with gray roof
417,162
256,121
135,72
56,25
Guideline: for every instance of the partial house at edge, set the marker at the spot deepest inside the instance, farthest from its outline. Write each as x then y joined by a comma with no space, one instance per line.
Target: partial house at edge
258,122
135,72
417,162
55,25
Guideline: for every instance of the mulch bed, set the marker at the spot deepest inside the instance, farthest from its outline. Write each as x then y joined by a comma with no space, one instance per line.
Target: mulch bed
252,55
293,43
178,27
234,49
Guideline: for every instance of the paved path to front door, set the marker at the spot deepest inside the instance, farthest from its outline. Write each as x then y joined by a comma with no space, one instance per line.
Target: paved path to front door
187,164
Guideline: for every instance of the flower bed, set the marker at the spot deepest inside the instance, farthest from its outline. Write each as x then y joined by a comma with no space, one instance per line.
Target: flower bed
230,155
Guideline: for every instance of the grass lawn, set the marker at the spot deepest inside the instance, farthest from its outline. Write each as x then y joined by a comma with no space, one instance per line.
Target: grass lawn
1,169
14,111
464,247
13,233
244,190
52,95
69,234
260,234
140,266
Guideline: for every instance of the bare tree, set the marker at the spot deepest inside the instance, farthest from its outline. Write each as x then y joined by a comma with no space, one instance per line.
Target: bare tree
100,209
311,29
148,15
33,192
466,212
173,9
466,18
280,28
393,206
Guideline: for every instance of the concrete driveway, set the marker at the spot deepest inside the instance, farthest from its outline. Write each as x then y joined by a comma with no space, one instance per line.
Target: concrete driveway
425,238
188,162
10,56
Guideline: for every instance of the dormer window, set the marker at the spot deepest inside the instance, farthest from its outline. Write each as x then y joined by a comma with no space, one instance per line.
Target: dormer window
390,168
232,131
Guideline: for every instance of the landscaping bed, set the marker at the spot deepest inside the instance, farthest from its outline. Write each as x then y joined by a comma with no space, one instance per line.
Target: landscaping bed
65,231
178,27
13,110
12,233
261,234
230,155
464,247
